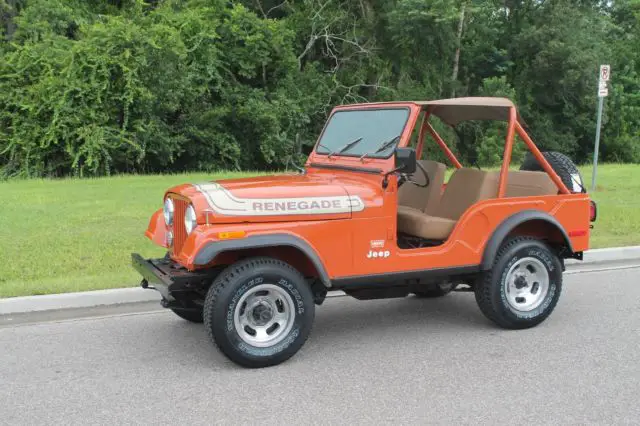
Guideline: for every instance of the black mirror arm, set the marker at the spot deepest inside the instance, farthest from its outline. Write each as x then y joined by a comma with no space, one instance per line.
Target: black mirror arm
385,179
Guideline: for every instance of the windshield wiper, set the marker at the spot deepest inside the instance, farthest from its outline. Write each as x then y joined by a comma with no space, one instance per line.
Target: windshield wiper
382,147
349,145
341,150
331,152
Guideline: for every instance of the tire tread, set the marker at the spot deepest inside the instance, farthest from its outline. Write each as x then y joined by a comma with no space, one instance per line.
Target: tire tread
224,279
484,285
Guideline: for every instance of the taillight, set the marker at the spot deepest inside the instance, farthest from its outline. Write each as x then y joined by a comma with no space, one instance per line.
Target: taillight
593,211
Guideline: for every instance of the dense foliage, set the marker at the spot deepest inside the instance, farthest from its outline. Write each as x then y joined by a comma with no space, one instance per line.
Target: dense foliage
92,87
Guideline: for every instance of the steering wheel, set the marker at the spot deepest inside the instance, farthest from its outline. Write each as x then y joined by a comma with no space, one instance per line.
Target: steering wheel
404,177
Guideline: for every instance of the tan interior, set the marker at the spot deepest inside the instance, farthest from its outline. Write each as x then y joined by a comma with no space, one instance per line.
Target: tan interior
465,188
423,199
524,183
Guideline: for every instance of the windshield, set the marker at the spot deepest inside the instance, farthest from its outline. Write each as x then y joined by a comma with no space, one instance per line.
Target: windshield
374,126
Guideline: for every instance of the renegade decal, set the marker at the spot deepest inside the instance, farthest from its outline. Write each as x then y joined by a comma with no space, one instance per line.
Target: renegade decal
223,202
377,244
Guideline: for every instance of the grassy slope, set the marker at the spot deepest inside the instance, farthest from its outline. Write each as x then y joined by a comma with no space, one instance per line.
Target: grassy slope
73,235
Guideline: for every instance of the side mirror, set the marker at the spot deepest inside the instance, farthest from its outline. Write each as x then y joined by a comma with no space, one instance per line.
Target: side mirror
406,160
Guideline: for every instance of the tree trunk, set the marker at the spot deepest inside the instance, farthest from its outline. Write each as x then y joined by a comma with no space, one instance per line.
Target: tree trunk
456,59
7,18
369,17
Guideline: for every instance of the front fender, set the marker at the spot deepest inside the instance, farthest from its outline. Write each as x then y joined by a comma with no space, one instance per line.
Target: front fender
212,249
157,230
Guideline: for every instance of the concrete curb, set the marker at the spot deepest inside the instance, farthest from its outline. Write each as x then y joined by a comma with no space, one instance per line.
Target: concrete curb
83,299
88,299
608,255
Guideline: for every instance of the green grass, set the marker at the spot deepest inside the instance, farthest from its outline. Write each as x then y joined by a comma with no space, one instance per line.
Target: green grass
73,235
618,197
60,236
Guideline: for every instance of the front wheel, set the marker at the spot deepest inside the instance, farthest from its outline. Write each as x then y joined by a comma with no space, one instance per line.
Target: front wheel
524,285
259,312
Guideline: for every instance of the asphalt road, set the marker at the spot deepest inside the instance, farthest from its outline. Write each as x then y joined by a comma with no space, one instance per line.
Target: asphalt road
391,361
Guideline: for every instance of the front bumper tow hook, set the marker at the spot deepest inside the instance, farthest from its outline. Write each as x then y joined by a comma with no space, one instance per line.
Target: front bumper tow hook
145,284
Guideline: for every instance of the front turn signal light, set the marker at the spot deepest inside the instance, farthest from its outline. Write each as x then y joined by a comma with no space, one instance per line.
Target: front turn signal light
231,234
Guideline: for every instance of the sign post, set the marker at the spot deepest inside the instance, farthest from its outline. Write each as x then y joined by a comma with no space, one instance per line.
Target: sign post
603,91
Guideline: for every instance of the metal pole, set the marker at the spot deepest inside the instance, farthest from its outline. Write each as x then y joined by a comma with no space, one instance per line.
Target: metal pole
597,147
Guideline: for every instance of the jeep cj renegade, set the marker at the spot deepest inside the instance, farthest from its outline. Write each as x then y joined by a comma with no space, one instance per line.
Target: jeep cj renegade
252,257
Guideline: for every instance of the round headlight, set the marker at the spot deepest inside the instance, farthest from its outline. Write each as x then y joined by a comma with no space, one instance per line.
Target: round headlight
190,219
168,211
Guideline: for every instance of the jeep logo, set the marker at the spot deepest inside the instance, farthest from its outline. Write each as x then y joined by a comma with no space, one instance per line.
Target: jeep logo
375,254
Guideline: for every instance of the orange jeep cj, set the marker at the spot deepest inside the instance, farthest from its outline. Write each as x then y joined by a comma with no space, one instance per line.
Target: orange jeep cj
367,216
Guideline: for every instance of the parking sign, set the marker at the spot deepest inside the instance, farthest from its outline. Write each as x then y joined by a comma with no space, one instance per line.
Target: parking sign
605,72
603,91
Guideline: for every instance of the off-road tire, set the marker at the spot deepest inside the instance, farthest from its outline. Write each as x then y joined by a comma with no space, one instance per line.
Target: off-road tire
490,290
562,165
226,292
439,289
192,315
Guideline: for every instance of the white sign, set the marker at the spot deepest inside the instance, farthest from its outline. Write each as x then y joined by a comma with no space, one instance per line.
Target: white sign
603,90
605,72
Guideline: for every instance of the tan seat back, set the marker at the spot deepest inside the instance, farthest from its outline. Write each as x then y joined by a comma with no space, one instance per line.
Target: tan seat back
465,188
424,199
525,183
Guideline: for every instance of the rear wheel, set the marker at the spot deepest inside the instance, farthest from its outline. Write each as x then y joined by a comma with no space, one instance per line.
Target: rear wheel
561,164
259,312
524,285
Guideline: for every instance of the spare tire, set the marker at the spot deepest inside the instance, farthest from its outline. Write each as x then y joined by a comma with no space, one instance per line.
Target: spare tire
561,164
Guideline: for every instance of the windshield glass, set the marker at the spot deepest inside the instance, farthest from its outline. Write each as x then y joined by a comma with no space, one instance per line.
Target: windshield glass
374,126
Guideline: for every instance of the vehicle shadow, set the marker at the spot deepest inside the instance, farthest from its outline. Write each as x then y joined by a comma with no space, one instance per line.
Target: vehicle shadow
452,313
340,322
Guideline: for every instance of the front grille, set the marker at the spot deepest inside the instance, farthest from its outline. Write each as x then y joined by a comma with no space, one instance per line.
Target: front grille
179,231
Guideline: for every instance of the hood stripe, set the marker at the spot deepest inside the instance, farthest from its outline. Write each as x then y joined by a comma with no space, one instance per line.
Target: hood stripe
223,202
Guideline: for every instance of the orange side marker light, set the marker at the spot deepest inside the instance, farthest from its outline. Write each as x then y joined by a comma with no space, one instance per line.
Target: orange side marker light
231,234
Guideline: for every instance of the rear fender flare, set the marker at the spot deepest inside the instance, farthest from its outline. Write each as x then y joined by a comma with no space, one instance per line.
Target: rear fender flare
501,232
211,250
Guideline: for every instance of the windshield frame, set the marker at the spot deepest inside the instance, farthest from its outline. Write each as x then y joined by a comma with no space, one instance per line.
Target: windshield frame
364,108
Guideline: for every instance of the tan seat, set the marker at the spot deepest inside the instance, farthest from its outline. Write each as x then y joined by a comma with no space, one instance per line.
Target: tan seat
423,199
525,183
465,188
414,222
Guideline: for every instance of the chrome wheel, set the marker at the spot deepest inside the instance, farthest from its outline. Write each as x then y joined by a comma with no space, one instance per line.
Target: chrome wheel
264,315
526,285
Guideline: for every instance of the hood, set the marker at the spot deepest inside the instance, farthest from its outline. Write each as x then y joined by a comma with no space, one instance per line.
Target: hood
269,198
